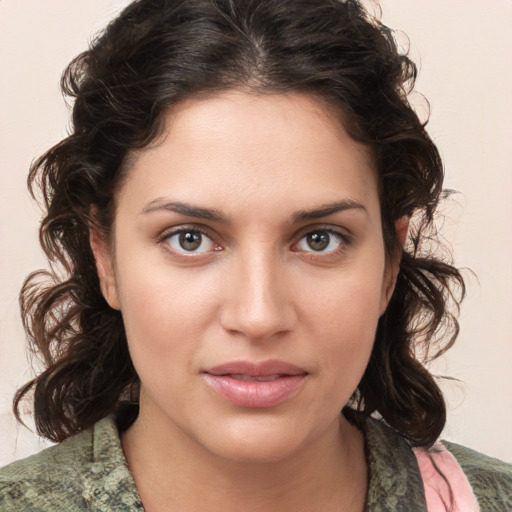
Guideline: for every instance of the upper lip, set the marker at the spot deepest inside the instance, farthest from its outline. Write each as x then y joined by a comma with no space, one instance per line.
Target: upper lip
256,369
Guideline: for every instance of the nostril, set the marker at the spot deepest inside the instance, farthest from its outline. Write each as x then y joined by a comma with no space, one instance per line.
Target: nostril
257,324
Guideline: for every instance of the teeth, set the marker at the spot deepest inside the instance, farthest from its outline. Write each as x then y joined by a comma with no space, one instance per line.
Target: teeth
239,376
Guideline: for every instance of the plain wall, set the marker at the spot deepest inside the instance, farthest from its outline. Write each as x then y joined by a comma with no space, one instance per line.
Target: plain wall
463,51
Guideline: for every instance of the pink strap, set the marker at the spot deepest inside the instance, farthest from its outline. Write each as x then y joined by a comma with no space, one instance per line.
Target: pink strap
437,489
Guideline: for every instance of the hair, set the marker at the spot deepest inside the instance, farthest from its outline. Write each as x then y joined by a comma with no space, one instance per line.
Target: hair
157,53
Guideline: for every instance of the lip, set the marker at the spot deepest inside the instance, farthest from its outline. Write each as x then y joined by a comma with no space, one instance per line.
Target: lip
234,382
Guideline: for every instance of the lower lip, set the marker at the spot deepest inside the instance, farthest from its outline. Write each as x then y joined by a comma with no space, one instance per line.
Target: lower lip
255,393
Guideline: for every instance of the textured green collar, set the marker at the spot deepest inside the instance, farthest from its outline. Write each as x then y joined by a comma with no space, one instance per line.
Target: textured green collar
394,480
107,481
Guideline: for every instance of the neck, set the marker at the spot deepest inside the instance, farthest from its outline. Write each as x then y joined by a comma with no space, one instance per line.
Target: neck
172,472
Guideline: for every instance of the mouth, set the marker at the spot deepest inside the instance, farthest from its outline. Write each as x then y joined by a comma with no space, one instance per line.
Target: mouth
248,378
256,385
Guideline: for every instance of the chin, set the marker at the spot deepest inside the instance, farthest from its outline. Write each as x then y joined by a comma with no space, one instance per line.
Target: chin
259,440
257,451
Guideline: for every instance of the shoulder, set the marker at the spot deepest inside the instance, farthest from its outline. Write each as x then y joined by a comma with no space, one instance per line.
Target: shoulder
87,471
395,478
48,477
490,478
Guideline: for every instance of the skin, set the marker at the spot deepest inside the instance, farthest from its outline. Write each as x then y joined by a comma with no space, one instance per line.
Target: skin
255,289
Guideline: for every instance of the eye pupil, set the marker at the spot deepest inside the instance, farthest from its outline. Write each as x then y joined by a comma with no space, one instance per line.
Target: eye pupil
318,241
190,241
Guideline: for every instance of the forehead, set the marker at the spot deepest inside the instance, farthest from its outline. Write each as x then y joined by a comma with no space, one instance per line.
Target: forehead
239,147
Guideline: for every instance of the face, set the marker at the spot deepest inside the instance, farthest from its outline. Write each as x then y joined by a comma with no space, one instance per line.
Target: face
249,266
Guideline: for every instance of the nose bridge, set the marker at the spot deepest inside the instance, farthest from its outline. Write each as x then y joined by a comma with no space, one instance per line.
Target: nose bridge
260,305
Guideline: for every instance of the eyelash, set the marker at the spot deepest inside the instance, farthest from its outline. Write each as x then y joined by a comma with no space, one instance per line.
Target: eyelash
344,241
167,236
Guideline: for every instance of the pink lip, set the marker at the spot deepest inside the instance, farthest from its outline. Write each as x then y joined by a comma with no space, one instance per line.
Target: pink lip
226,380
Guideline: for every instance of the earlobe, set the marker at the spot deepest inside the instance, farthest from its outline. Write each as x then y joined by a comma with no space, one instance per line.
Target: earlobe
105,268
393,266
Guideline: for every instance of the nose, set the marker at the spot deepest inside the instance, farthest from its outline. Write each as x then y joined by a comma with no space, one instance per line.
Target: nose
260,302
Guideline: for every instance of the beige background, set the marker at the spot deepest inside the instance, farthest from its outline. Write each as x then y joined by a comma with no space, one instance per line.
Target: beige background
464,49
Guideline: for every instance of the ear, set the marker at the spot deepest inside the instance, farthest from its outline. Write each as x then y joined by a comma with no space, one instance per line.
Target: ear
393,264
401,228
105,267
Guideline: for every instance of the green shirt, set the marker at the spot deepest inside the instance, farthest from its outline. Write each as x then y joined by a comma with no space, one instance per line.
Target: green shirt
88,472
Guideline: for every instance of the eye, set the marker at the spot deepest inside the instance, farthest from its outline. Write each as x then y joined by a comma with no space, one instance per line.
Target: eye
322,241
190,241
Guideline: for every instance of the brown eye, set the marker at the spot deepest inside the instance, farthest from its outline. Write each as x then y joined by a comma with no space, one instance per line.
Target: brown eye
190,241
324,241
318,241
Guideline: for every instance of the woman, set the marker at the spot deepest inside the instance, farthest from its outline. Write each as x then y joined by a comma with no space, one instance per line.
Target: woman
239,212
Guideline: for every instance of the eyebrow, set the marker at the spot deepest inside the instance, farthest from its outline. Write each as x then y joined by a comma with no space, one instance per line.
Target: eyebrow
328,209
212,214
188,210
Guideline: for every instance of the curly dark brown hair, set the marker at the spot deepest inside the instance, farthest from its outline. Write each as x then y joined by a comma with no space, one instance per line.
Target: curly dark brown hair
160,52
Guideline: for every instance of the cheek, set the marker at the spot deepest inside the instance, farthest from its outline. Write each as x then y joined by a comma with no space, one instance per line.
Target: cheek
345,318
165,310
